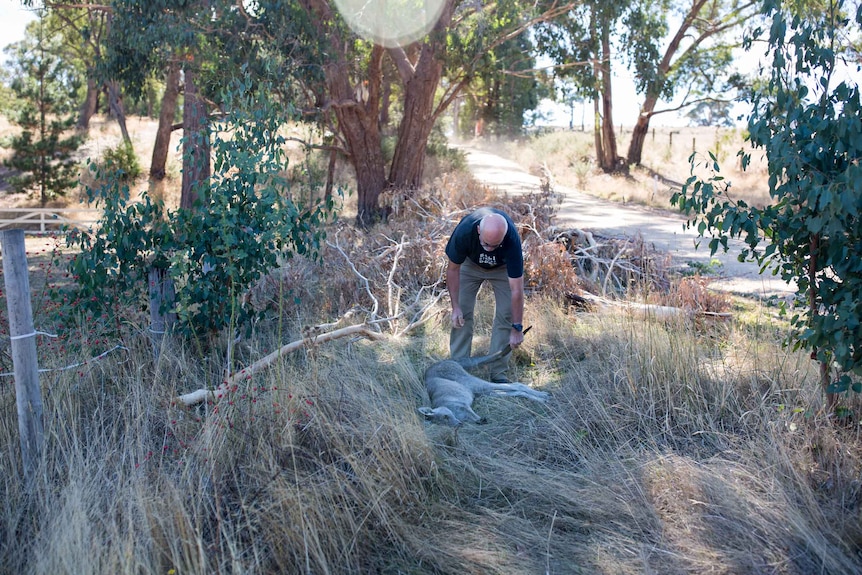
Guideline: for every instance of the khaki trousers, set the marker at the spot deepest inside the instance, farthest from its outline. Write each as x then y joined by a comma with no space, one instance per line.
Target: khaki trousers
461,340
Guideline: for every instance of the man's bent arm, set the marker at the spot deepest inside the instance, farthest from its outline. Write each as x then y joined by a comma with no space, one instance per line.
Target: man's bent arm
453,284
516,285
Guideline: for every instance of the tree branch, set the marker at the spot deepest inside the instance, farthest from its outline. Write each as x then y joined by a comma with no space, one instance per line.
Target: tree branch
402,63
67,6
687,104
228,385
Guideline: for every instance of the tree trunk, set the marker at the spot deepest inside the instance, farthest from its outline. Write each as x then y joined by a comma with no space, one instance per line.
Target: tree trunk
609,138
357,112
162,145
365,154
385,99
88,106
408,162
196,142
597,133
420,88
115,103
639,134
654,88
456,118
813,309
330,175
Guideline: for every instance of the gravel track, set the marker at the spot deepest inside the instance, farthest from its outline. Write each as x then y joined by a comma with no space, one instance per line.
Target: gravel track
660,228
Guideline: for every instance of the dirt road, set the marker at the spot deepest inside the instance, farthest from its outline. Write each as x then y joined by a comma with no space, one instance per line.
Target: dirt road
663,229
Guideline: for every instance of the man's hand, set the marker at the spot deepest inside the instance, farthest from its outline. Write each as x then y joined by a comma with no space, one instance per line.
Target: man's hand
516,338
457,318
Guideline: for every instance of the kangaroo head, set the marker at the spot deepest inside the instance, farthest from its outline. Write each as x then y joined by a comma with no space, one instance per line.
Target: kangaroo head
456,415
441,415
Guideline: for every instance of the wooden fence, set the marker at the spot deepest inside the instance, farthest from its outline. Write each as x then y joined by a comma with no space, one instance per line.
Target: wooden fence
46,220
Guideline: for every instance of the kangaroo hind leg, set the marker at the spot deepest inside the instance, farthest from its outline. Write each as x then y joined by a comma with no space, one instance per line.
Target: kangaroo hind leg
519,390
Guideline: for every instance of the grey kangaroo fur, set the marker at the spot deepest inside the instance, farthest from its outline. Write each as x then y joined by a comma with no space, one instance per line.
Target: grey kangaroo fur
452,390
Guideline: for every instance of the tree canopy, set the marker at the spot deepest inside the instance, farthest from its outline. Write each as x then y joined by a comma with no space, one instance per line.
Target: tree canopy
808,121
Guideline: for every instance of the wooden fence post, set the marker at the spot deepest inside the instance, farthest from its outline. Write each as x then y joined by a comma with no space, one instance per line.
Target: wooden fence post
162,296
28,395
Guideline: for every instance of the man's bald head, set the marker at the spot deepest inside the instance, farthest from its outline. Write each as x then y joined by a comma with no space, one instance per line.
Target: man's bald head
492,229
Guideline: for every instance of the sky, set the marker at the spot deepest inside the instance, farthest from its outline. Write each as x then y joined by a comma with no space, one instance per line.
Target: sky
13,20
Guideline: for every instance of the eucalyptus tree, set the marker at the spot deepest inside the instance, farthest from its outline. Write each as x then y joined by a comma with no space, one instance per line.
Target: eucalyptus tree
198,48
579,43
694,59
329,72
711,113
431,72
80,31
84,26
566,92
168,37
506,85
807,119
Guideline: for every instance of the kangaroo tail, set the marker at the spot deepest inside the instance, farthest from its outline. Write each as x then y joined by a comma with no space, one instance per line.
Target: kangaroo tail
469,362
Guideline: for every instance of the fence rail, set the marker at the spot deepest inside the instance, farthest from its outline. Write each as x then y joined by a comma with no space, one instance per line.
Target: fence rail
46,220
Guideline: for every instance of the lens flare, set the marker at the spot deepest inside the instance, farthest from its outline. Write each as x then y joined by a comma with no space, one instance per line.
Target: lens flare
391,22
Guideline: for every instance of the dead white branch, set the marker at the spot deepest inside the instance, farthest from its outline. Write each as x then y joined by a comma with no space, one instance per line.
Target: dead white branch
375,304
610,274
227,385
574,240
651,311
393,291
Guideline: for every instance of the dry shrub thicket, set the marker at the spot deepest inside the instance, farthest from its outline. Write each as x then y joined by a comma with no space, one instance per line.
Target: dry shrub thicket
667,447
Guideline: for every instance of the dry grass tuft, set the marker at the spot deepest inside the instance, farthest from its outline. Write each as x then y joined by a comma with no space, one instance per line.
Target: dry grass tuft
693,293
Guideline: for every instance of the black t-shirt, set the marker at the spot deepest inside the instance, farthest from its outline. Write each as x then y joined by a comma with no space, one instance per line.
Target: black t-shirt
464,244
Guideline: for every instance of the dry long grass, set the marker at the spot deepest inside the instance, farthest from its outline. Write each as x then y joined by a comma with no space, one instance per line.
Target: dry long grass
569,156
667,448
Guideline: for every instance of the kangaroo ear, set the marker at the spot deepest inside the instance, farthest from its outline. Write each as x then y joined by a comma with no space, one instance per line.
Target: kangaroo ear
426,411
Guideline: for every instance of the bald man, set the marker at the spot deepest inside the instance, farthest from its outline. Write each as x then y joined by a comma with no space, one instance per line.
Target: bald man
485,247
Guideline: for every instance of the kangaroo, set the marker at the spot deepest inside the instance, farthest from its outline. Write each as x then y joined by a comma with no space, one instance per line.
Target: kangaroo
452,390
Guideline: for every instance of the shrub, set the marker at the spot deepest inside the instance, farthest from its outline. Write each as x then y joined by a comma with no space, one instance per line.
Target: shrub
122,161
244,225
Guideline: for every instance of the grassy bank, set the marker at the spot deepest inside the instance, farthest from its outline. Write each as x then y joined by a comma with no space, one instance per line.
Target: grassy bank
691,446
687,446
684,447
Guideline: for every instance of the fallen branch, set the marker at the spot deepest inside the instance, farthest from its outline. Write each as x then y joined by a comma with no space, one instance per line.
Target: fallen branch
201,395
651,311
